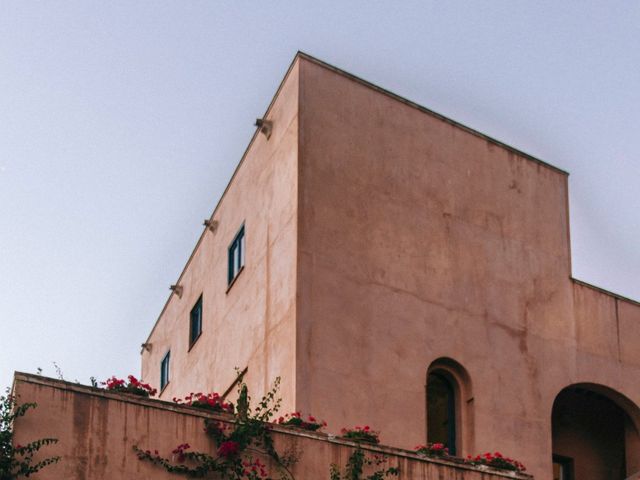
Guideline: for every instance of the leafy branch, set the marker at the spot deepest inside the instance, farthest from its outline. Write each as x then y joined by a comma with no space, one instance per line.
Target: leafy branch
17,460
359,462
238,443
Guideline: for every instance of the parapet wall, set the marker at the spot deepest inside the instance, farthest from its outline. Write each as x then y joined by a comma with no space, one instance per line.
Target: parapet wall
97,431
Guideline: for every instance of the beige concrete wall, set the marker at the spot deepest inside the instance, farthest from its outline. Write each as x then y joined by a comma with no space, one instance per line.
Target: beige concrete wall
97,431
380,238
607,332
419,239
253,323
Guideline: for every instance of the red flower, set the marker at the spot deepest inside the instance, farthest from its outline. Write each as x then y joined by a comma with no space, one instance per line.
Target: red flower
228,449
179,451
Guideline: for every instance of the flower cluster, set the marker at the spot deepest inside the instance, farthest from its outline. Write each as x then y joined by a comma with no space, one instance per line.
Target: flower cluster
216,429
361,434
133,385
246,430
496,460
432,450
208,401
179,452
295,420
254,470
228,449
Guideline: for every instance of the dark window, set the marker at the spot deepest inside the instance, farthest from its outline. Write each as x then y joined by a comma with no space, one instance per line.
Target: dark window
195,322
441,411
236,256
164,371
562,468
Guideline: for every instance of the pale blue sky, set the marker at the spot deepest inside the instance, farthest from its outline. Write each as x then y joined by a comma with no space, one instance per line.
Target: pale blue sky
121,123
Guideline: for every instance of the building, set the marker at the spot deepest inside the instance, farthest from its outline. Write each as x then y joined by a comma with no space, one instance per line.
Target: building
397,268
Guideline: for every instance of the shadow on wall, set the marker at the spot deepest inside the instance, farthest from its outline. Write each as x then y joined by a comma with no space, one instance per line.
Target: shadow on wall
595,434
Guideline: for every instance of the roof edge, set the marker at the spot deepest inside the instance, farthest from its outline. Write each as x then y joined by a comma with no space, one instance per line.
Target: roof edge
423,109
226,189
605,292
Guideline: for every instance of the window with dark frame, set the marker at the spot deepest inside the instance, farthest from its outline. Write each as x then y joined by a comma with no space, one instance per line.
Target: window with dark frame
195,322
164,371
236,256
562,468
441,411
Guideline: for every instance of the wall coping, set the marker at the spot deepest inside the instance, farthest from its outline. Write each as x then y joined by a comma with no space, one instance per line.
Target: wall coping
605,292
78,388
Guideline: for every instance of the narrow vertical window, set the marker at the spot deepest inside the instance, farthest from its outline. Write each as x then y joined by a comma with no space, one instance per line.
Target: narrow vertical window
164,371
236,256
562,468
441,411
195,322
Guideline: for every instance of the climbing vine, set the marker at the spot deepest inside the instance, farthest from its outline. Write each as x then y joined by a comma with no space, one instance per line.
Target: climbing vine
239,443
17,460
359,462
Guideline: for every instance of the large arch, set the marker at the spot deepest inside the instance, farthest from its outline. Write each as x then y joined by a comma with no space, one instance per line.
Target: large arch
449,406
595,434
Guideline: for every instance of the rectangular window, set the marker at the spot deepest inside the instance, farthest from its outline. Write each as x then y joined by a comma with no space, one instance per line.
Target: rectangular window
236,256
195,322
164,371
562,468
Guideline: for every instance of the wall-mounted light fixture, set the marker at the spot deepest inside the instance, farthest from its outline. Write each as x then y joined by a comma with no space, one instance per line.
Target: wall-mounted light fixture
265,126
211,225
177,289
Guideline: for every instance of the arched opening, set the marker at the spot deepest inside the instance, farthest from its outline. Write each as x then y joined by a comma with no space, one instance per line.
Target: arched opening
441,408
448,402
595,435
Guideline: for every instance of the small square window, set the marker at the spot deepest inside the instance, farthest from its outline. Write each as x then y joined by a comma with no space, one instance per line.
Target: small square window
195,322
236,256
164,371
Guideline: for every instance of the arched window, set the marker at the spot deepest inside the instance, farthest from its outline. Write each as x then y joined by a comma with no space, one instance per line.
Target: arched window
441,410
449,405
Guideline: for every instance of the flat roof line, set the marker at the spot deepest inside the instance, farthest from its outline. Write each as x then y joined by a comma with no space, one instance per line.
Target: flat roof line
417,106
606,292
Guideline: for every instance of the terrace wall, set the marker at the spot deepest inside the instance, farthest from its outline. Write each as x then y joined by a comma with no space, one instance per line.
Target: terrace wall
97,431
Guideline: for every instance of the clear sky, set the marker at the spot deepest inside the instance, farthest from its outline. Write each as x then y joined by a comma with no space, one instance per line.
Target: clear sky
121,123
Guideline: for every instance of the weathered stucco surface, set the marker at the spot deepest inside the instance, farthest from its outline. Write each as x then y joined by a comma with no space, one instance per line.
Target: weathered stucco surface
381,238
97,431
420,240
253,323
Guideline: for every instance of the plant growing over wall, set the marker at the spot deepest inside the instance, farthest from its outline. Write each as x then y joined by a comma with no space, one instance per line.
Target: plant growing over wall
238,444
132,385
361,434
496,460
432,450
296,420
359,462
207,401
17,460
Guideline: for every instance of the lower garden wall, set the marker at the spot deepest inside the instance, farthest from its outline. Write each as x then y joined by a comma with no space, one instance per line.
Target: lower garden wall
97,431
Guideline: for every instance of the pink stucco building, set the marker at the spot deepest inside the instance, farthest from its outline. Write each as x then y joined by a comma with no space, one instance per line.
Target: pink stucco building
395,267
